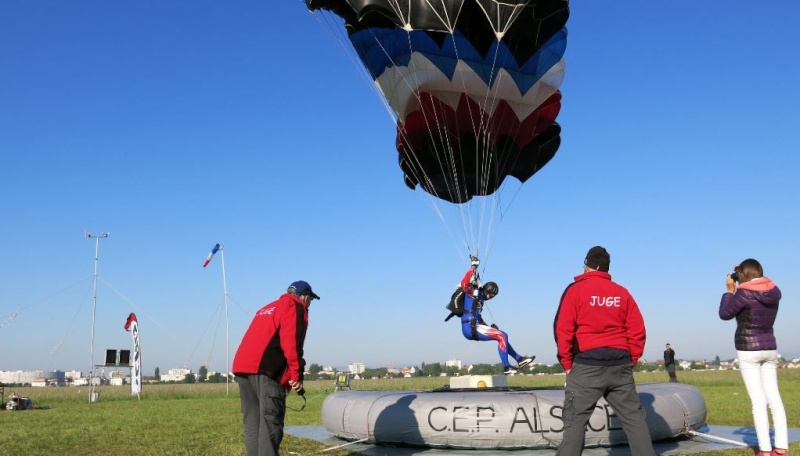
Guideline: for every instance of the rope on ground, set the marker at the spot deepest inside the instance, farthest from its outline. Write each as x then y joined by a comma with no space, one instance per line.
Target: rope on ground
721,439
345,444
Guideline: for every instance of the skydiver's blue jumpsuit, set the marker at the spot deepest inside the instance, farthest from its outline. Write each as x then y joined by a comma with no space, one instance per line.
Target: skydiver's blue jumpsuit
474,328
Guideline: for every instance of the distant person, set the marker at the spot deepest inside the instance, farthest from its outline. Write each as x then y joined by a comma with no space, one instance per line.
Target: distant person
268,364
669,363
472,296
600,336
754,304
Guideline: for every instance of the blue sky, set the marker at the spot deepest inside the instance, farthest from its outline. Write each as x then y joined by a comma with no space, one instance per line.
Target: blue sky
177,125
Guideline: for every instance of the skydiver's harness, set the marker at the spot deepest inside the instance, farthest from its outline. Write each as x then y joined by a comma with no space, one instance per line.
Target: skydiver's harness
477,301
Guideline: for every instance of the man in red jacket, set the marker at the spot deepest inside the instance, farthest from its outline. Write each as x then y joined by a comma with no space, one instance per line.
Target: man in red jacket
600,336
269,363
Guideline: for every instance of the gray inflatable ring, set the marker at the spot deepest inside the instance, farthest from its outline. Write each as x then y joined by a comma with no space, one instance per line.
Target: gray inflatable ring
500,417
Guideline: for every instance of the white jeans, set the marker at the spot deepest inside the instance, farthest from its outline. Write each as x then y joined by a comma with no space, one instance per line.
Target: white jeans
760,374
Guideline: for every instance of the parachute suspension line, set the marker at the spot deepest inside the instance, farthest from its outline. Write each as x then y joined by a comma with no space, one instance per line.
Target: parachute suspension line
465,83
436,208
484,163
487,162
333,23
512,158
411,155
444,151
376,88
445,19
501,212
504,155
494,201
483,166
490,106
471,236
475,225
411,86
504,17
441,150
395,4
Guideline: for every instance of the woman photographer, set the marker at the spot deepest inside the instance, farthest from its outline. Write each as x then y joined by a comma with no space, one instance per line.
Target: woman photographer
754,304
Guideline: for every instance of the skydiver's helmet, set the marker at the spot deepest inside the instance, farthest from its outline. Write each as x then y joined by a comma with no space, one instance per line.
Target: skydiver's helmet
490,290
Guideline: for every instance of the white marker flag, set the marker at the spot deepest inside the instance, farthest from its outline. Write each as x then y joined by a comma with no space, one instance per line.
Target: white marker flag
136,366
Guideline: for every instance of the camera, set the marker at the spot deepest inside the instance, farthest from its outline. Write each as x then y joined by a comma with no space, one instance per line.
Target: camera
735,275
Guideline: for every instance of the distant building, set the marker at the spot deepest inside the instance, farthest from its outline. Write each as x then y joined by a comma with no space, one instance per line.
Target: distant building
116,374
21,377
356,368
176,375
72,375
56,378
328,370
453,363
211,374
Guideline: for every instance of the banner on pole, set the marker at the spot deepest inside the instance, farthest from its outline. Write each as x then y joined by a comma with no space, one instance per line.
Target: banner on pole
136,366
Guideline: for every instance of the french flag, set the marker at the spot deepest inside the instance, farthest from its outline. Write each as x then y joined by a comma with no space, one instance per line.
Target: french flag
211,255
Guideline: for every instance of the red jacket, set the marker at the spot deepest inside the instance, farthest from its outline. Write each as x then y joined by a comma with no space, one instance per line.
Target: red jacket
597,313
273,344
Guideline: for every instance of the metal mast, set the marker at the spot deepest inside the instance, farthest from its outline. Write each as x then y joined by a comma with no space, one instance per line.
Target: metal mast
227,323
96,238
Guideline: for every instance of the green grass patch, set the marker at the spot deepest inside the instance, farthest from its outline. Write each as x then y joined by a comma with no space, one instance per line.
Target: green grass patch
201,419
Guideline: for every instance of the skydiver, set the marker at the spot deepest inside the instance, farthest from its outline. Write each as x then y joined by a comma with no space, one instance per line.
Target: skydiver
472,325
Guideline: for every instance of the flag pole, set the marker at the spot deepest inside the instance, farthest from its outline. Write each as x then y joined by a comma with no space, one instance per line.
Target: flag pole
96,238
227,322
218,248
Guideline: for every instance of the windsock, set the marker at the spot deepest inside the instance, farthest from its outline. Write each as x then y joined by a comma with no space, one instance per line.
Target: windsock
211,255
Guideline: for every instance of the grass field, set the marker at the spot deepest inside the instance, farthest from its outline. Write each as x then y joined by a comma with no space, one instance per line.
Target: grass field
202,419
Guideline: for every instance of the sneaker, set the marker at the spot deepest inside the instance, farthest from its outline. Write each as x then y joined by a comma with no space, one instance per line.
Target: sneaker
510,370
525,361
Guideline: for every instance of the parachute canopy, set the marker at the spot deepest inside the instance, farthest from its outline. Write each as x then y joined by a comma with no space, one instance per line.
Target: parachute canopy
473,85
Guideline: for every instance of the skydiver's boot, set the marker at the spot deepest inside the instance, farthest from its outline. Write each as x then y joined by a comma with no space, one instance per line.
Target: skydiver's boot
525,361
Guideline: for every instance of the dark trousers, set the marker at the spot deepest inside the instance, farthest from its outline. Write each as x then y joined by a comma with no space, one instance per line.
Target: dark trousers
263,412
671,371
585,386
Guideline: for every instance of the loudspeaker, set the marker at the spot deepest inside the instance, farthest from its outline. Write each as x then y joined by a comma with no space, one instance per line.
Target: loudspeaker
111,357
124,357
